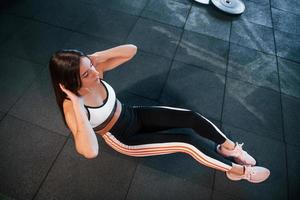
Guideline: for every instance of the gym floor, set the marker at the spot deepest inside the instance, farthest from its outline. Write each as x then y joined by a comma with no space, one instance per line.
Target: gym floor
241,72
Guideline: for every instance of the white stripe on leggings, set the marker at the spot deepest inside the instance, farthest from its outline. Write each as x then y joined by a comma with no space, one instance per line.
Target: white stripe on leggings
182,109
164,148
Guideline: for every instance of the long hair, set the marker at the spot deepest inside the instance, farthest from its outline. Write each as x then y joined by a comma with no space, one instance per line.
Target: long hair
64,67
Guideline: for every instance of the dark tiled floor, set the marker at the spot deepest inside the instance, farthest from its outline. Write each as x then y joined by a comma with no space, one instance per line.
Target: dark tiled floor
253,66
209,102
24,76
254,36
242,72
154,37
1,115
169,12
211,54
292,6
258,13
208,21
287,45
253,108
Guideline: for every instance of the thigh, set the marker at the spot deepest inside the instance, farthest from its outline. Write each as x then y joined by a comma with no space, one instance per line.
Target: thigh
157,118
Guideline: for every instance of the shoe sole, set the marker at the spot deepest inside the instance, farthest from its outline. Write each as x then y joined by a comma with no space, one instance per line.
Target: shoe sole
252,181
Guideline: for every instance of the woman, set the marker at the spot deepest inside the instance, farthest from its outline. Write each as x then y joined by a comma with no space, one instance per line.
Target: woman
89,105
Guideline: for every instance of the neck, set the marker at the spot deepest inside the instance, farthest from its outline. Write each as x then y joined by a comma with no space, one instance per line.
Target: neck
87,91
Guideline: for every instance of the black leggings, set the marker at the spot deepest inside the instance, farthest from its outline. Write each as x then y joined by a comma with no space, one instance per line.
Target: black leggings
138,132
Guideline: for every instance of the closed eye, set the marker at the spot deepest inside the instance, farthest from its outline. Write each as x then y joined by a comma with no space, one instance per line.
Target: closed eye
86,73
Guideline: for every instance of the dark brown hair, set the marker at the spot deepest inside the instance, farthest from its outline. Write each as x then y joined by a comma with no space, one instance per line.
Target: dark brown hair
64,67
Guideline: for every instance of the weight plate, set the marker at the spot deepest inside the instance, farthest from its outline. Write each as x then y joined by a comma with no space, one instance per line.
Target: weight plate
202,1
230,6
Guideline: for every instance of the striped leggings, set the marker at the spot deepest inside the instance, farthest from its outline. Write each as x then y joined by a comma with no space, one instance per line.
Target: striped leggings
138,132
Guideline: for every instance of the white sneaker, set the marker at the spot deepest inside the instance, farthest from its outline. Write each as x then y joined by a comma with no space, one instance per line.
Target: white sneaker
252,174
240,156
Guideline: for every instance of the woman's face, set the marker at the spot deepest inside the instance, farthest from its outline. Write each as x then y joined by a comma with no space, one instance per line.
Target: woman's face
88,74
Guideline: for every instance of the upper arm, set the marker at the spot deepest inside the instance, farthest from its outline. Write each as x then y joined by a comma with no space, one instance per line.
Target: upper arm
110,64
71,122
70,116
109,59
80,144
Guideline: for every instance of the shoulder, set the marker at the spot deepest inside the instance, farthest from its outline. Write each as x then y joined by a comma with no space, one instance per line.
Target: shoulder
69,110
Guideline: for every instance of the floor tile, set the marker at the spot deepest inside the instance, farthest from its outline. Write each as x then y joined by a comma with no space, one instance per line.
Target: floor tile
253,36
111,25
253,66
169,11
141,75
12,24
38,106
257,13
24,8
66,13
288,45
16,76
2,114
107,176
87,44
292,6
153,184
155,37
133,7
27,153
269,153
185,1
263,2
293,171
196,89
286,22
5,197
206,20
291,117
210,54
253,108
37,41
220,195
289,73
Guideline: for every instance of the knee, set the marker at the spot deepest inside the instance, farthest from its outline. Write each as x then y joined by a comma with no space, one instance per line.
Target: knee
196,119
194,115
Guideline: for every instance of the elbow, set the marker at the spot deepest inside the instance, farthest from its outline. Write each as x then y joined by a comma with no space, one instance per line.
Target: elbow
133,50
91,155
133,47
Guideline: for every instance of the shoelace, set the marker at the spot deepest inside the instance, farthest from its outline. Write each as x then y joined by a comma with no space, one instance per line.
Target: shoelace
248,172
239,149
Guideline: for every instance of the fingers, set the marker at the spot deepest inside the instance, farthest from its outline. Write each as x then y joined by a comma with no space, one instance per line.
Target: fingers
61,87
93,59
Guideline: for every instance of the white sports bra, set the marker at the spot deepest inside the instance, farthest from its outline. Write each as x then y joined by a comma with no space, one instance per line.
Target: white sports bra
98,115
